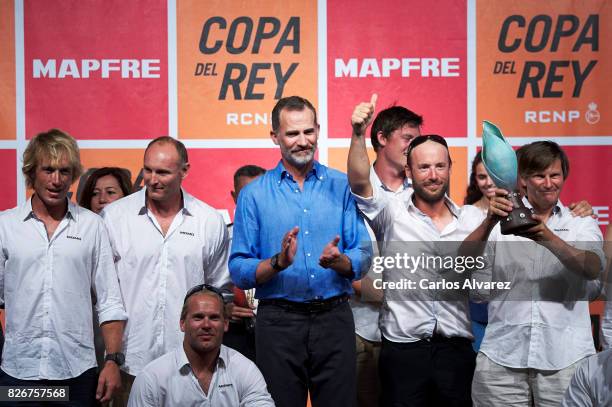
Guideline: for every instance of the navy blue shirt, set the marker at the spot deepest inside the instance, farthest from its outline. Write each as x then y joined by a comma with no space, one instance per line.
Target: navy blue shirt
271,206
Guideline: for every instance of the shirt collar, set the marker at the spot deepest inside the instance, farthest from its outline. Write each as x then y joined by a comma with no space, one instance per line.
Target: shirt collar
407,183
183,363
455,210
27,212
559,208
318,170
188,202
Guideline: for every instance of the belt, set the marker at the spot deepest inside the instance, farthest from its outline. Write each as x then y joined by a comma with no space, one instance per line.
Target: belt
307,307
436,337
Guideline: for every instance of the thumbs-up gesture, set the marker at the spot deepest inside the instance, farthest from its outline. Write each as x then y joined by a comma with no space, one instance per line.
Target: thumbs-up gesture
362,115
330,253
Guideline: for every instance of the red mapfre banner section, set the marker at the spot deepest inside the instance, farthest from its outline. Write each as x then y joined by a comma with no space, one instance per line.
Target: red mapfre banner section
410,54
589,177
96,69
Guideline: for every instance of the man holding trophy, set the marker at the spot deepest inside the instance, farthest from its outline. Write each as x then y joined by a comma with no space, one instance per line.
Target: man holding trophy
540,330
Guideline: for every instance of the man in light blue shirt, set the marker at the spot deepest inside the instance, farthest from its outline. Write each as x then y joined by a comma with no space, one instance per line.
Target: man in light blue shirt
299,239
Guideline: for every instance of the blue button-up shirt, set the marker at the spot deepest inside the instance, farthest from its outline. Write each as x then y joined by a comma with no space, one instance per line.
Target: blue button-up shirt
271,206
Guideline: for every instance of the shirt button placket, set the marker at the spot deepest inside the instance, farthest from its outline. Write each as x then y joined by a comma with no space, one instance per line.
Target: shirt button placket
308,244
48,283
163,291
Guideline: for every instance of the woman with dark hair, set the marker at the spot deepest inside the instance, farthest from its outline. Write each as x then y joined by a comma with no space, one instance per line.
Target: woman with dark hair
481,187
104,186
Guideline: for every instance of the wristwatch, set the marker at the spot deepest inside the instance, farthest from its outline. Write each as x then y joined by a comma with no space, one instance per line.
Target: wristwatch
118,358
274,263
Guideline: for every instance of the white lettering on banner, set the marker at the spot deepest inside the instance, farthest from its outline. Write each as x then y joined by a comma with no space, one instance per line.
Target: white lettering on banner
603,215
383,68
551,116
247,119
103,68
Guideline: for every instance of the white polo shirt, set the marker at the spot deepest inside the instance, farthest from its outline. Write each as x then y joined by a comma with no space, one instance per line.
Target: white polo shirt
156,271
46,285
170,382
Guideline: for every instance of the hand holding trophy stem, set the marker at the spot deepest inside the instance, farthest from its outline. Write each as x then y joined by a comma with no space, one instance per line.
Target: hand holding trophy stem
499,159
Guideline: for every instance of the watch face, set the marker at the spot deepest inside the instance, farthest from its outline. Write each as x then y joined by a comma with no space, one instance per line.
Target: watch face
118,358
274,262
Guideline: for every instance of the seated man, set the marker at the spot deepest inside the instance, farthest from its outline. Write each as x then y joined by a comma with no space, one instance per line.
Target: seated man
202,371
592,382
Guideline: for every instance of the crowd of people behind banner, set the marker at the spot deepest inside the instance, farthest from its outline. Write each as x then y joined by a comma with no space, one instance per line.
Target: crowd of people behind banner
147,298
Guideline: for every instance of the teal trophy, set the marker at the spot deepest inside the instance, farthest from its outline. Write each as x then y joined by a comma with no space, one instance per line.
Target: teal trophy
499,159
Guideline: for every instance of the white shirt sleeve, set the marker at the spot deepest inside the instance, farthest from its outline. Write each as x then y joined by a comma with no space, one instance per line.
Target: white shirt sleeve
252,389
109,303
143,392
606,321
215,269
578,393
372,206
2,265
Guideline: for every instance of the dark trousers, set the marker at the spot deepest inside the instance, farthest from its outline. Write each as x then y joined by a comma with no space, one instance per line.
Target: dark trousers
433,372
82,389
300,352
241,338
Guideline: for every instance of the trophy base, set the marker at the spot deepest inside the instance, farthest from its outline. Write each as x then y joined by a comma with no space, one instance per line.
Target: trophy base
519,219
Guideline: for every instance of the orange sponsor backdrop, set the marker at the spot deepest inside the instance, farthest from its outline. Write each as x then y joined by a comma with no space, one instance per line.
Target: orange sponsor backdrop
251,47
459,174
529,55
7,70
8,169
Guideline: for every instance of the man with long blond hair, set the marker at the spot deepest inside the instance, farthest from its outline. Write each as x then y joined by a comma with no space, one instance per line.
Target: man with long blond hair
53,255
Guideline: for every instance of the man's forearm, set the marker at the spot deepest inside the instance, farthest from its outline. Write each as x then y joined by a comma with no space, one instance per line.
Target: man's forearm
264,271
359,167
582,262
112,331
475,243
343,266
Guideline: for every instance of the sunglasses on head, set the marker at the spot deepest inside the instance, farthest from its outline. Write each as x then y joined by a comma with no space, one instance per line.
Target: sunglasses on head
417,141
226,297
